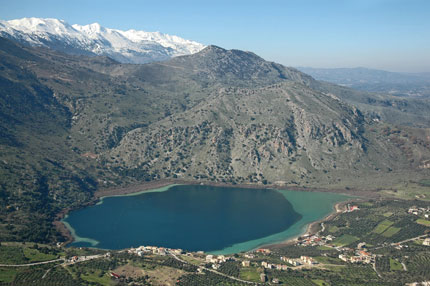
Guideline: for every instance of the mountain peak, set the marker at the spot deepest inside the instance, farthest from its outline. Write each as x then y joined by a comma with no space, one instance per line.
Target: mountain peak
130,46
214,48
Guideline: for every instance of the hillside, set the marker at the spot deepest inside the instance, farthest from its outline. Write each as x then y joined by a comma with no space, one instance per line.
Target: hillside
72,124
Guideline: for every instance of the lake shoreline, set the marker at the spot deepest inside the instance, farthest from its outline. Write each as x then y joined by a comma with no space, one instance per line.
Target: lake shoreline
148,186
313,227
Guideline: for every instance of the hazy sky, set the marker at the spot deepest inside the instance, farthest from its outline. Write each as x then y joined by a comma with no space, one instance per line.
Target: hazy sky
386,34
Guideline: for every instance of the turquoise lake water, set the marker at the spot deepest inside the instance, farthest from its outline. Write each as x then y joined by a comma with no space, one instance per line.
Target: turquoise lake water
220,220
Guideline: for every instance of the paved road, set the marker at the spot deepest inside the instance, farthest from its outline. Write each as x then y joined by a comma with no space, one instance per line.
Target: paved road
400,242
84,258
31,264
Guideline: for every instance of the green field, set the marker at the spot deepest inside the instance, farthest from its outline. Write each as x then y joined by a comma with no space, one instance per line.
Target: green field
425,183
333,228
388,214
95,278
323,247
395,265
423,221
382,226
249,274
391,231
345,240
7,275
34,255
320,282
328,260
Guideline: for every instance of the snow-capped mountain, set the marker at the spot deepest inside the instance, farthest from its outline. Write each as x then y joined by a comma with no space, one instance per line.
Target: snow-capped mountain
124,46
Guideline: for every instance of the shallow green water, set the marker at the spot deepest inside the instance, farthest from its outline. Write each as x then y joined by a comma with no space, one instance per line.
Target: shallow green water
221,220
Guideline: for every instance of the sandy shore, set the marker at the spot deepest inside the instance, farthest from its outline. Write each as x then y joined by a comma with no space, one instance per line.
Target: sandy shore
146,186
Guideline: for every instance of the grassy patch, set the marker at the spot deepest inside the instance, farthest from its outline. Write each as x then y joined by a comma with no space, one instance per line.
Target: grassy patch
333,228
33,255
382,226
409,191
423,222
391,231
345,240
328,260
191,260
388,214
323,247
249,274
425,183
320,282
395,265
12,255
95,278
7,275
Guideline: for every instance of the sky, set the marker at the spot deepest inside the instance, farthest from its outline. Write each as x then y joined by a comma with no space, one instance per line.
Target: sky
392,35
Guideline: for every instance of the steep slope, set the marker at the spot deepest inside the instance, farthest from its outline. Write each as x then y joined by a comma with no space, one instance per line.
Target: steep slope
125,46
39,173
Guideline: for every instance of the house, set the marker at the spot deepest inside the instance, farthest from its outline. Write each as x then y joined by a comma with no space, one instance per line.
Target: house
263,277
209,258
352,208
245,263
308,260
294,262
275,281
263,250
426,242
162,251
363,253
343,257
114,275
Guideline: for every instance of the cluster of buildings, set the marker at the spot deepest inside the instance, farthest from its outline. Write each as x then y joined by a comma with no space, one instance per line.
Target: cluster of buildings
263,251
425,212
274,266
142,250
361,256
303,260
217,259
315,240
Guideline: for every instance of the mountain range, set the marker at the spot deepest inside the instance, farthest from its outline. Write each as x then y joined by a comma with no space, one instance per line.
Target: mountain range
124,46
379,81
72,124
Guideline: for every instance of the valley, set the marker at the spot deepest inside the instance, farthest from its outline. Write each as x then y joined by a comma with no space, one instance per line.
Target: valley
76,128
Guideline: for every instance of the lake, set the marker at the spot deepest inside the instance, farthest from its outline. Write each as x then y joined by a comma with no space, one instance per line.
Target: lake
220,220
